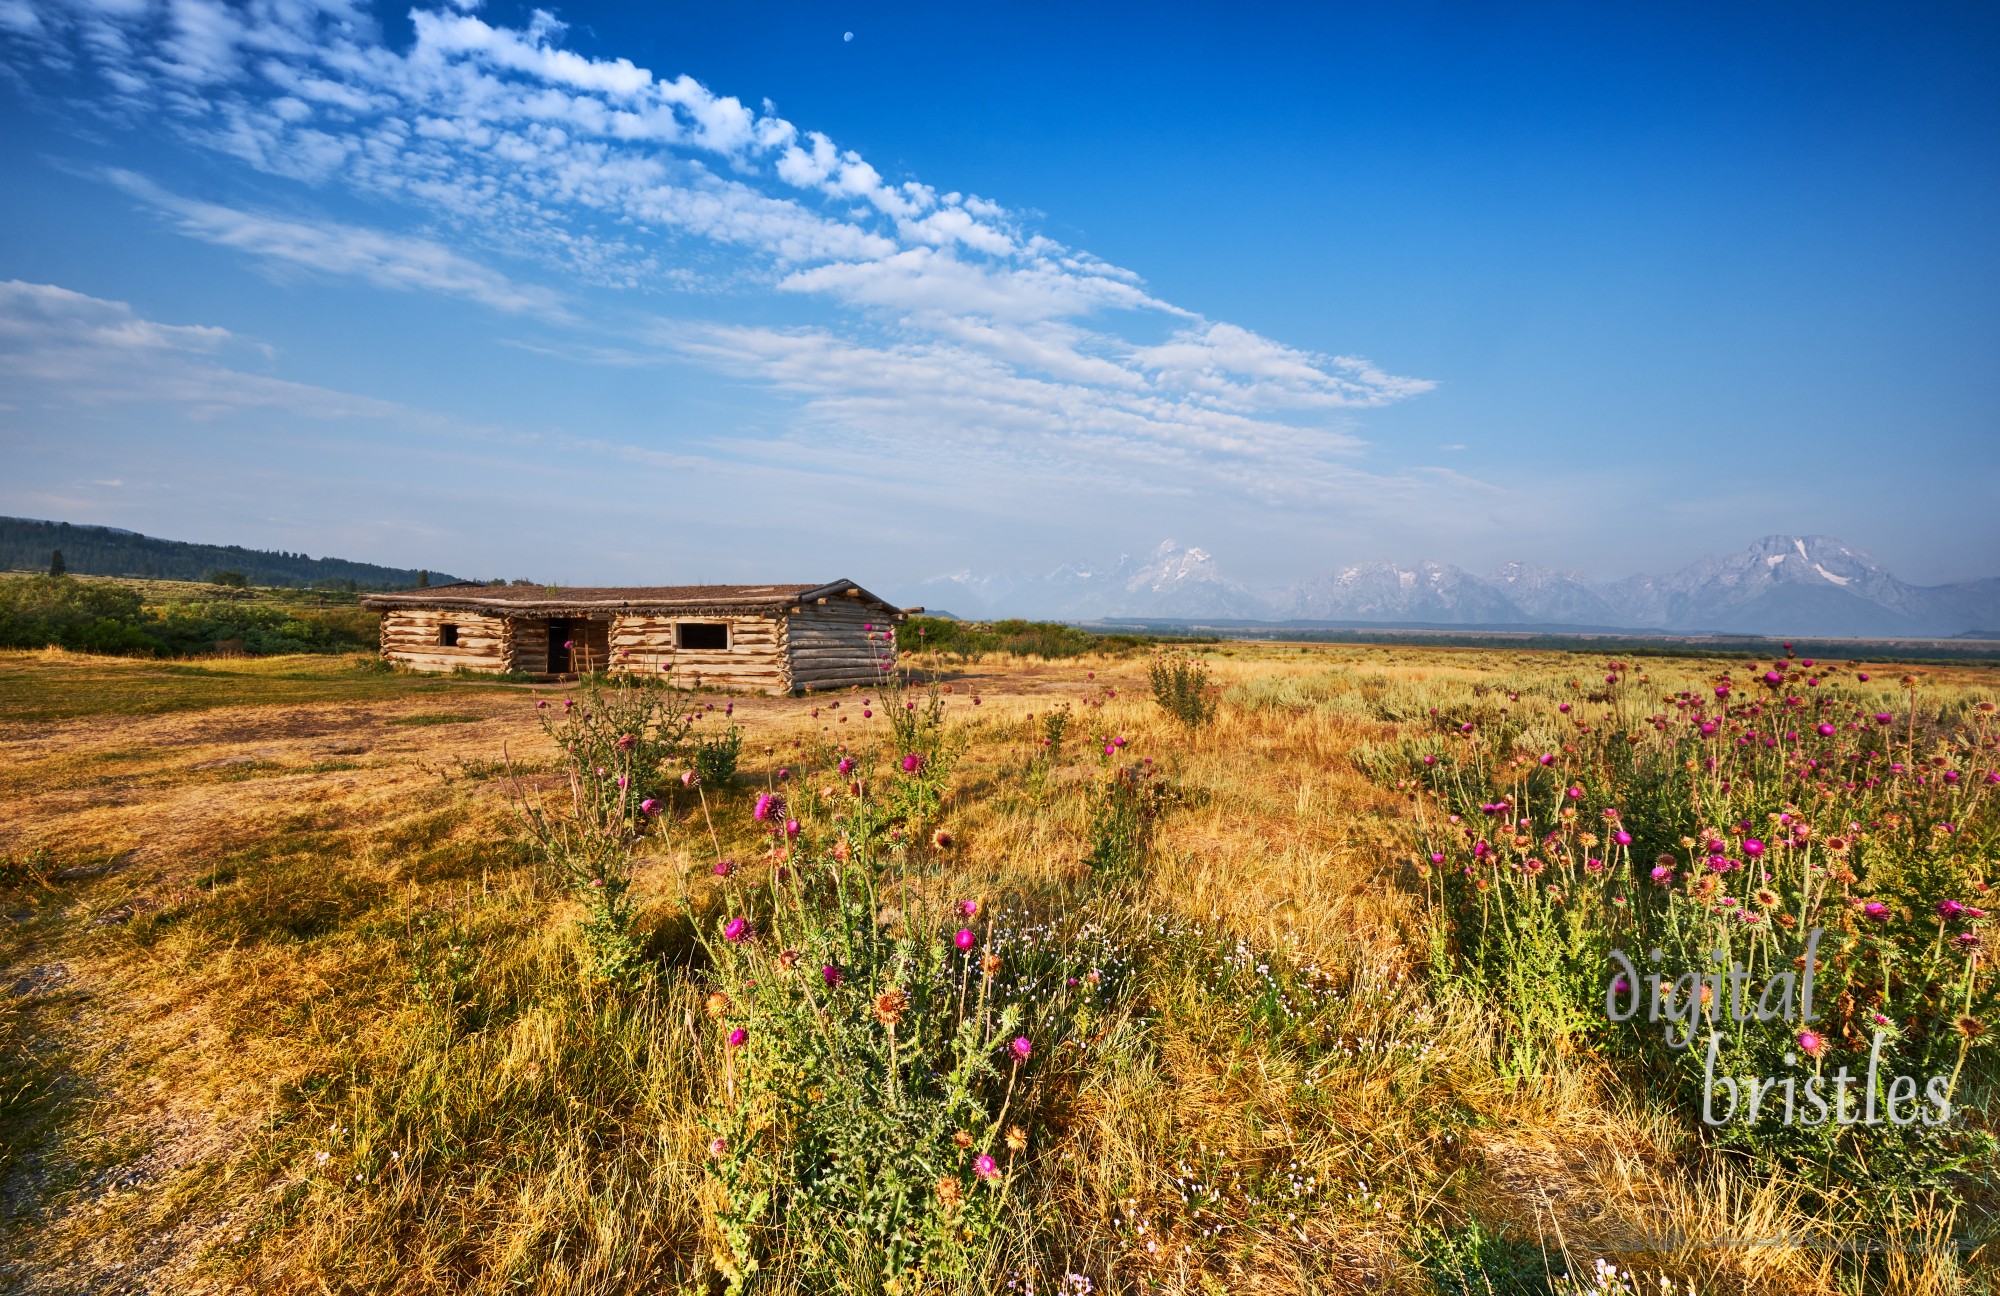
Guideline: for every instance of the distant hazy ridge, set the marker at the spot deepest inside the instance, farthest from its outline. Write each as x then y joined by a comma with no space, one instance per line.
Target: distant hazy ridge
26,545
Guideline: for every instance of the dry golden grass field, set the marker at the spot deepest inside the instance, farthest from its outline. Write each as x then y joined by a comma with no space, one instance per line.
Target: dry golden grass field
290,1000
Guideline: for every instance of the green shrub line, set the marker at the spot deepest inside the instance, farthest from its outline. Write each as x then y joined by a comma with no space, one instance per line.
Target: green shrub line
106,617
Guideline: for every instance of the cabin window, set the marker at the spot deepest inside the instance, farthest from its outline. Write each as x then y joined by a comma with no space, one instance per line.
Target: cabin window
448,635
702,634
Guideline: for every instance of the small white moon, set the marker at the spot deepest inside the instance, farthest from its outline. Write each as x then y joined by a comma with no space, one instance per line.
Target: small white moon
847,36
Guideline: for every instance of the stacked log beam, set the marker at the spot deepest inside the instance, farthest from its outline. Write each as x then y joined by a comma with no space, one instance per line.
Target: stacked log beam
838,643
754,659
528,645
411,637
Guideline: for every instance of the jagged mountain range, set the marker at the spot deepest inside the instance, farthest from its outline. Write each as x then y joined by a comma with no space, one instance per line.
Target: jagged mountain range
1781,585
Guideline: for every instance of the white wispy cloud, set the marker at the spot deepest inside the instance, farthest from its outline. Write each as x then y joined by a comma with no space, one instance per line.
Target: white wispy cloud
960,323
399,262
64,348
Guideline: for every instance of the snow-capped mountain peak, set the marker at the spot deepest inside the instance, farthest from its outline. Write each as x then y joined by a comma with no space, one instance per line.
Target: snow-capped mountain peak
1780,584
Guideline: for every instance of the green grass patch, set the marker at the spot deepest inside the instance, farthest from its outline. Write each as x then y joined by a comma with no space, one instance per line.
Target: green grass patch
1017,638
35,687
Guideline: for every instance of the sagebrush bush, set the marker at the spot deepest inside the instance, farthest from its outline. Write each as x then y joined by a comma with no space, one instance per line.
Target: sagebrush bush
1182,687
616,740
715,757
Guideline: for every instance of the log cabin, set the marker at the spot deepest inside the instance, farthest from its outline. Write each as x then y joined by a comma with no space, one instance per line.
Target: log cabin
760,638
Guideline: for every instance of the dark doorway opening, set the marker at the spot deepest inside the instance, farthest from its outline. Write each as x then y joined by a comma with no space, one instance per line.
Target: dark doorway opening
560,632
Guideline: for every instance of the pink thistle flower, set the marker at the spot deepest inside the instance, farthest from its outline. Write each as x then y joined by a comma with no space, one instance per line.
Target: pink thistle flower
969,908
1875,909
1883,717
737,1036
832,975
964,939
846,764
791,827
1663,875
724,867
1811,1043
1826,731
1622,837
1752,847
649,806
1949,908
767,805
986,1168
736,931
718,1147
1021,1048
912,762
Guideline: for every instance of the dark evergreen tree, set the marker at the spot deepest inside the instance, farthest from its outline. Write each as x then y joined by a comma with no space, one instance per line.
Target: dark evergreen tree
56,565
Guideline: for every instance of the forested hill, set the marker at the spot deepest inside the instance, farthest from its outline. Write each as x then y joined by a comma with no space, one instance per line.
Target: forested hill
29,545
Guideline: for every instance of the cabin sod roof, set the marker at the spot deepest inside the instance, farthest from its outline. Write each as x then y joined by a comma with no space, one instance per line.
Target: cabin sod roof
670,600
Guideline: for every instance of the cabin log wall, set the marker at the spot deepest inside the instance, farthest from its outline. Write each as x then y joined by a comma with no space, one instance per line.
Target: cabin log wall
528,645
829,644
410,638
833,636
754,660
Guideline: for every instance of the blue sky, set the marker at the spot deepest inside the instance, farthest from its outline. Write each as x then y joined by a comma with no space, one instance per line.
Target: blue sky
638,293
